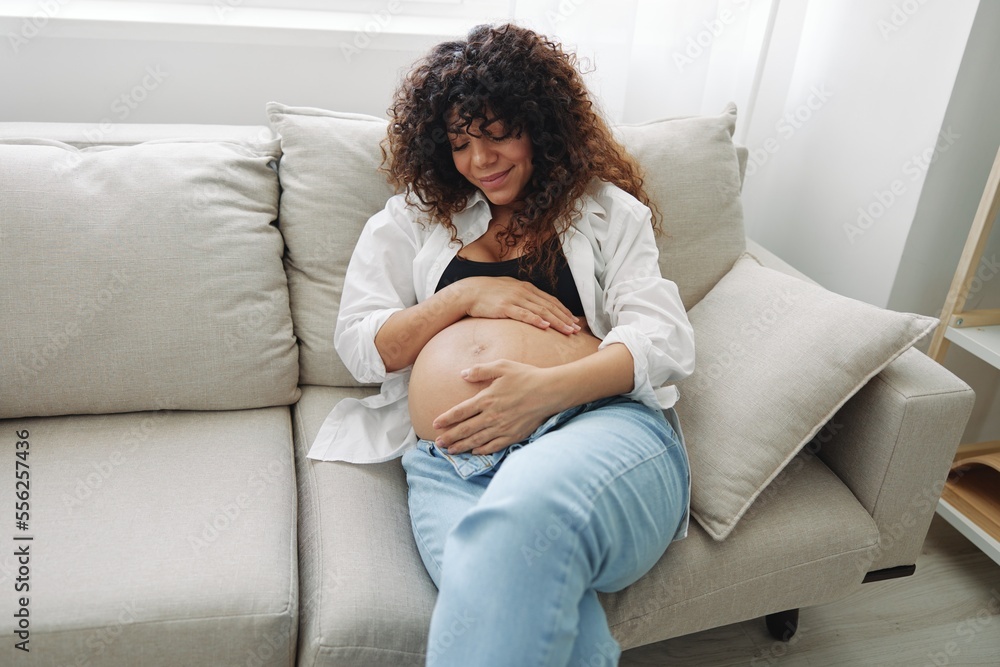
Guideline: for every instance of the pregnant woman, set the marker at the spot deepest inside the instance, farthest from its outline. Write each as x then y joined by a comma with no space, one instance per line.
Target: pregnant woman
511,304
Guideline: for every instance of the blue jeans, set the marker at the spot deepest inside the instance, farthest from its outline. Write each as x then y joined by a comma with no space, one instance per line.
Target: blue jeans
519,542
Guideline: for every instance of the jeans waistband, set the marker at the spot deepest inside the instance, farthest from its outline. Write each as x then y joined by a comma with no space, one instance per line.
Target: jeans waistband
468,464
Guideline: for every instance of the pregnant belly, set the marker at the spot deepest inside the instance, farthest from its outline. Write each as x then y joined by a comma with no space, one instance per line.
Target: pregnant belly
435,381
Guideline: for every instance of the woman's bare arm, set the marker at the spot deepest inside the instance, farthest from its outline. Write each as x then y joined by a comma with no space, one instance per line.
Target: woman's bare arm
402,336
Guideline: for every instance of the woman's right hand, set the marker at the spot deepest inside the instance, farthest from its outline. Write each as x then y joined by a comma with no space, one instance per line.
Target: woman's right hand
504,297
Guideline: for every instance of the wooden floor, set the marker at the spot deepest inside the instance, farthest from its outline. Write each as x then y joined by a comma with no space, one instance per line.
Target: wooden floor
947,613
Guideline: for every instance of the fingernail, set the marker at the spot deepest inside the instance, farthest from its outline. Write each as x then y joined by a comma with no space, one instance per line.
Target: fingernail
465,373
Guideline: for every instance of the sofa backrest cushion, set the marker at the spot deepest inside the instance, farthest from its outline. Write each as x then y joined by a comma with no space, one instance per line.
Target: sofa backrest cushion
693,175
85,135
142,277
331,186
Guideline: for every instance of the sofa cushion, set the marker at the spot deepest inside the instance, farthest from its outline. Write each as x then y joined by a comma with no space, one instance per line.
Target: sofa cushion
83,135
331,186
142,276
160,539
810,542
777,357
367,599
693,175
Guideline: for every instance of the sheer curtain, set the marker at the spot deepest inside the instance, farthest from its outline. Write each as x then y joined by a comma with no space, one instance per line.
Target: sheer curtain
650,58
661,58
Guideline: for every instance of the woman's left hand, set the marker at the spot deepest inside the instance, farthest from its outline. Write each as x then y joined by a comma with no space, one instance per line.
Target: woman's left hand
515,403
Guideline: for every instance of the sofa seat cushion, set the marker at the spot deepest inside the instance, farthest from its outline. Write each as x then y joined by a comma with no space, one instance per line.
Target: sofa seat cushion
367,600
142,277
809,542
160,539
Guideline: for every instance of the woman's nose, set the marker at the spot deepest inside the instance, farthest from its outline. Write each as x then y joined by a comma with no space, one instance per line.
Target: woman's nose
482,154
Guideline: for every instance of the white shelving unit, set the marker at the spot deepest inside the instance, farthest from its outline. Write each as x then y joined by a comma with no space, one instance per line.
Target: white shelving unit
978,332
984,342
974,533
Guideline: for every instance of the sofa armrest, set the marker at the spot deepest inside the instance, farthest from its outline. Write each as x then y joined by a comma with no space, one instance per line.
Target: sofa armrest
894,442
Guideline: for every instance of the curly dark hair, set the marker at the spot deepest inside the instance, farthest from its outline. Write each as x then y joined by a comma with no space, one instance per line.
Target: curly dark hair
528,83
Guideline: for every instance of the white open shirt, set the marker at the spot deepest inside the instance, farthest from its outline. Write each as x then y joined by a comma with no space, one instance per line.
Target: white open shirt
397,263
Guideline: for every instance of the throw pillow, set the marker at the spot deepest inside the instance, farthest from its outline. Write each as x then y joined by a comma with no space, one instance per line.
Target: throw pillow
777,357
142,277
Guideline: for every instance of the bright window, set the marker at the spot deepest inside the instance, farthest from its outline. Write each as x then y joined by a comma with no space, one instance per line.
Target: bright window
445,8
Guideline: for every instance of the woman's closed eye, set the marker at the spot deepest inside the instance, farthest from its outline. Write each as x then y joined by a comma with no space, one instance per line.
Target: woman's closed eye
455,148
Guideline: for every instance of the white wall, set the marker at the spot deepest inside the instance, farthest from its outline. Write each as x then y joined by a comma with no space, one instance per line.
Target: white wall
60,76
917,85
908,134
845,104
224,71
955,181
948,203
644,59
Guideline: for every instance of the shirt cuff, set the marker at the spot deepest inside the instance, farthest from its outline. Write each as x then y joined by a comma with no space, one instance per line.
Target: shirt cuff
638,345
372,368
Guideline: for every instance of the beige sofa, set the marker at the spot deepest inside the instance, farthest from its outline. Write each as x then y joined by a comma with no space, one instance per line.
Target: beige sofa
169,294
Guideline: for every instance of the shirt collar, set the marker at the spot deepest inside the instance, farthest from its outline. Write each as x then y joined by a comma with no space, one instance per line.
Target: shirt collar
589,203
475,198
473,220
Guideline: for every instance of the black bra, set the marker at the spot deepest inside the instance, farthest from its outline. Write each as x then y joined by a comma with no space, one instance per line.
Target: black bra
564,288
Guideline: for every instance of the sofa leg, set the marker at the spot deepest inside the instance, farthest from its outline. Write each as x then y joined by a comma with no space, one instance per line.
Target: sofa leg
783,624
890,573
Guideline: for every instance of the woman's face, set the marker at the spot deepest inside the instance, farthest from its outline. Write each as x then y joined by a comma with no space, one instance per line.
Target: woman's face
501,168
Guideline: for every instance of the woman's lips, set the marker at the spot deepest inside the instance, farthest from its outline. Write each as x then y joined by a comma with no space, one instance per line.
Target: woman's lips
494,181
